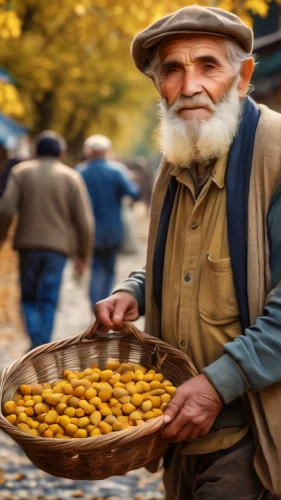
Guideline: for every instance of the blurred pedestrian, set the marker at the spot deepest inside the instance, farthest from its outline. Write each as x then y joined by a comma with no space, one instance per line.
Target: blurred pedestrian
130,243
106,186
54,222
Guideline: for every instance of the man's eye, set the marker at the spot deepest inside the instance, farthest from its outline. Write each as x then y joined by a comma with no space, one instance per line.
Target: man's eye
170,71
209,66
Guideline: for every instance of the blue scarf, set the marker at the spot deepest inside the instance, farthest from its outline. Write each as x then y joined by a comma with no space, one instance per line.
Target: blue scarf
238,174
237,191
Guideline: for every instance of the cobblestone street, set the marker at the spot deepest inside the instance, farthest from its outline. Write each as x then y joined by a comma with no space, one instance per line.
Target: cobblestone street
19,479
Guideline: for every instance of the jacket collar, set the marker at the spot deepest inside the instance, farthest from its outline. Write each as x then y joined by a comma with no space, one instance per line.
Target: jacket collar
217,174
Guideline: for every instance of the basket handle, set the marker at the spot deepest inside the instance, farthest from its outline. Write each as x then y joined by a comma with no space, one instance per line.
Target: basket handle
127,329
130,329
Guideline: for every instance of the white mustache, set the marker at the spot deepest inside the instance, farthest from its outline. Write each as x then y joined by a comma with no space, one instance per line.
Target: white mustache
192,103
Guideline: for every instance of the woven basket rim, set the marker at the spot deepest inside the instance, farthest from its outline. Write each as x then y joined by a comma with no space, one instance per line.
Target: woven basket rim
82,339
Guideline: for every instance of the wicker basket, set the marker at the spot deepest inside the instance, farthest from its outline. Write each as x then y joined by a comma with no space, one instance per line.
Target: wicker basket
106,455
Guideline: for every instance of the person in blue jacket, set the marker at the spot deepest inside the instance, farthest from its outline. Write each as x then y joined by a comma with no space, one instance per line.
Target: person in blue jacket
106,186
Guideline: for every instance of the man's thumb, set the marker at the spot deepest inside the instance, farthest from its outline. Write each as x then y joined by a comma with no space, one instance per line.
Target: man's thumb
167,419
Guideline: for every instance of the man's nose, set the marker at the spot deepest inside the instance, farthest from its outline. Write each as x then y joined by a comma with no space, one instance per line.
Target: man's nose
190,83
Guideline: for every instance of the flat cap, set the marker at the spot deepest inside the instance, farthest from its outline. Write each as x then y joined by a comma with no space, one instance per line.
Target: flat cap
192,19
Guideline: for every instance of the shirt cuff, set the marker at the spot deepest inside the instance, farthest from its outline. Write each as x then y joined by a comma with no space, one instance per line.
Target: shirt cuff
227,378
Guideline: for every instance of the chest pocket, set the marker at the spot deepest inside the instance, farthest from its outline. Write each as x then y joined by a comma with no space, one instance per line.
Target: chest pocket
217,297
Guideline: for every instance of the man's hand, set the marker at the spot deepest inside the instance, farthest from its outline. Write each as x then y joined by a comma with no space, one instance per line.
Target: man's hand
111,312
192,411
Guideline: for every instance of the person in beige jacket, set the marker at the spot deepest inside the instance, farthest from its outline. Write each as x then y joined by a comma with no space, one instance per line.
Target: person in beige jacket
54,222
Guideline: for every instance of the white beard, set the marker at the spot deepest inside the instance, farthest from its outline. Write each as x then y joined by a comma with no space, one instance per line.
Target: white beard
183,141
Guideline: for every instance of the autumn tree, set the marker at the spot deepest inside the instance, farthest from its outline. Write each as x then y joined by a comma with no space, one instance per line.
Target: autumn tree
72,66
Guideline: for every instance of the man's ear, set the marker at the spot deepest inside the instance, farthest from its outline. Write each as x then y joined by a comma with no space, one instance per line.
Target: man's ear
245,75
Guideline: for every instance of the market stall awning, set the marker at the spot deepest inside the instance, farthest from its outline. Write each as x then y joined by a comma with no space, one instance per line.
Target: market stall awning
10,131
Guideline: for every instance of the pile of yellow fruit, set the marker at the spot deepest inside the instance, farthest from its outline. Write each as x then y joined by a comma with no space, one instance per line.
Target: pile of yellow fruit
91,402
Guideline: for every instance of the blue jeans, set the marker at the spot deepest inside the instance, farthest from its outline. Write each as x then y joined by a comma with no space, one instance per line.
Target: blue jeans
103,270
40,278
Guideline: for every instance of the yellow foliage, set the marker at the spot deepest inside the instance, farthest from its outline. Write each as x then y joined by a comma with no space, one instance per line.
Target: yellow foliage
257,7
72,62
245,9
10,25
10,102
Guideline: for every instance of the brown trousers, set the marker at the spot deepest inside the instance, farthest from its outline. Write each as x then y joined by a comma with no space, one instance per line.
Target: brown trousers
221,475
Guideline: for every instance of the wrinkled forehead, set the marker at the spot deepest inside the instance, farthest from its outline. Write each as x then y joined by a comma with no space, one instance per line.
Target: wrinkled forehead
207,43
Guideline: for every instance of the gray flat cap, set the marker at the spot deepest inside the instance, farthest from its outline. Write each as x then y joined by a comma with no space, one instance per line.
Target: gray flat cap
192,19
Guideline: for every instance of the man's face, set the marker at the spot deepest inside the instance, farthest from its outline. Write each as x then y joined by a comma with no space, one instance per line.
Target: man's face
197,68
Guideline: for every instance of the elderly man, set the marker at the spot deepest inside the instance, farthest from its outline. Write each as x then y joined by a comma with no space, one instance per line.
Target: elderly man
213,263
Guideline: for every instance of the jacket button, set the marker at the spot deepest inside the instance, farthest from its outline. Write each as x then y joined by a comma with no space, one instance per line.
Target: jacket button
187,277
183,343
194,226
